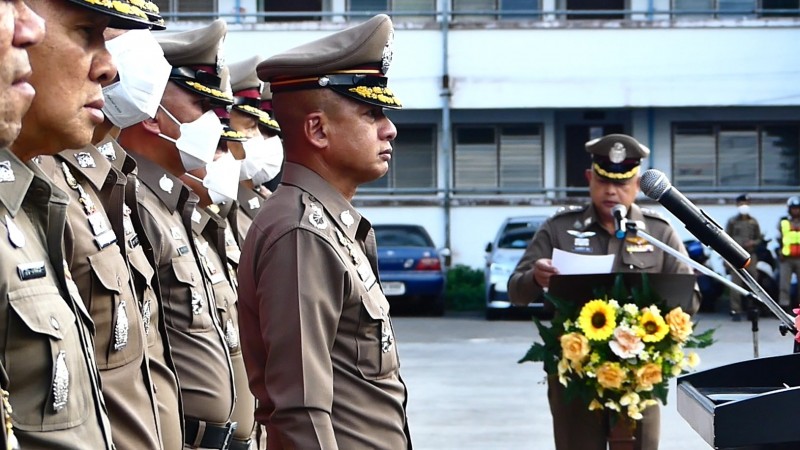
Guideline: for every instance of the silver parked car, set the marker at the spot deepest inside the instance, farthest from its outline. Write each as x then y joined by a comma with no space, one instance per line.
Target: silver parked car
502,256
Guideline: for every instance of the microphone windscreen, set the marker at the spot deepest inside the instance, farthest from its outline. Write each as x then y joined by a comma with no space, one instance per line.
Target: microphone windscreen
654,183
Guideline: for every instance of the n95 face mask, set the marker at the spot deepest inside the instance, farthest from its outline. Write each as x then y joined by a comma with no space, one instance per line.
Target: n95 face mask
221,180
198,139
143,75
263,159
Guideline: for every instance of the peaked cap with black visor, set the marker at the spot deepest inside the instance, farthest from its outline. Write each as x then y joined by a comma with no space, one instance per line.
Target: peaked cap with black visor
197,60
124,15
616,157
352,62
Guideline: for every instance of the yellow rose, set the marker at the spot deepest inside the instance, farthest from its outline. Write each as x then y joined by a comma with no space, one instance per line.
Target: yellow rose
575,347
648,375
610,375
693,359
680,324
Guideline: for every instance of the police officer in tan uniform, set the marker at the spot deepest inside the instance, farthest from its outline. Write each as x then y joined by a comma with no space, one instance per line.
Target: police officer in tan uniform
19,29
744,229
183,136
140,62
263,149
789,251
68,74
317,337
589,230
216,185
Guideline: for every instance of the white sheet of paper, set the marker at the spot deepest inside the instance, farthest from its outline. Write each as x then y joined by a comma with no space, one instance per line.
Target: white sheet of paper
575,264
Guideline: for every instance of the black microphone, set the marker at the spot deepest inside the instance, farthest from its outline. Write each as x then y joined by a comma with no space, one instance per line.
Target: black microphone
619,211
656,186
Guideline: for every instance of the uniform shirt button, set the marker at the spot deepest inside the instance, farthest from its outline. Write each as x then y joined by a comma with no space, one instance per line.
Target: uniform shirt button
631,266
54,323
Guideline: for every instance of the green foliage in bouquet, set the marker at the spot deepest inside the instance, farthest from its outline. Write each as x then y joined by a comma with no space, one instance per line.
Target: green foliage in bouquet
618,350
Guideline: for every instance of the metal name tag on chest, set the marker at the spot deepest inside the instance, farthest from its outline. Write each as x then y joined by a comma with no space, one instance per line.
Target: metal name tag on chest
582,243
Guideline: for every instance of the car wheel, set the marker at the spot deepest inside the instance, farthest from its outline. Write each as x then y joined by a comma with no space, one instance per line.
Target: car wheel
495,314
436,306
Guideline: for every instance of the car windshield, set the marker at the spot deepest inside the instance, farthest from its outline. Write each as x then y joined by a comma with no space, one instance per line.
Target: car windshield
401,237
516,238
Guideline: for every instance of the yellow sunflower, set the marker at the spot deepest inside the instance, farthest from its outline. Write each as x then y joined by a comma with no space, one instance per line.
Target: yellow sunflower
597,320
652,327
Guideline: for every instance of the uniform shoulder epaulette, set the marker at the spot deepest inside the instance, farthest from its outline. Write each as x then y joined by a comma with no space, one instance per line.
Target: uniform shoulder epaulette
654,214
568,209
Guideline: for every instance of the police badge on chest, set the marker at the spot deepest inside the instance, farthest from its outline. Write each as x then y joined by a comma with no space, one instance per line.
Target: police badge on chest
582,243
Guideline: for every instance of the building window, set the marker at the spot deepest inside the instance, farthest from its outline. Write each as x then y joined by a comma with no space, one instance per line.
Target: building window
295,6
513,9
402,10
581,9
714,9
736,155
780,8
491,157
189,6
413,163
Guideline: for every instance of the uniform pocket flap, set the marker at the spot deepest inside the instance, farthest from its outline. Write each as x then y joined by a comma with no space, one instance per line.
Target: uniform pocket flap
185,269
106,266
373,308
140,264
43,310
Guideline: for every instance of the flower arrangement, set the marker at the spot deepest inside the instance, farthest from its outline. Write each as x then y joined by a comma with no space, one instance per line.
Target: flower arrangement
618,351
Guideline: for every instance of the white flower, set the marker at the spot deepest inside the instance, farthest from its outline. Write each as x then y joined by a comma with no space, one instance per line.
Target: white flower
611,404
626,344
630,398
630,309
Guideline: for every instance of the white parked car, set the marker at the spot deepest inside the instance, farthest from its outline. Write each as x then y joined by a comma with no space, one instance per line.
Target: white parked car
502,256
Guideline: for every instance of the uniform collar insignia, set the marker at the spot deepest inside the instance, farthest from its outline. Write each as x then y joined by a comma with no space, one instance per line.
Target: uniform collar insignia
166,184
347,218
85,160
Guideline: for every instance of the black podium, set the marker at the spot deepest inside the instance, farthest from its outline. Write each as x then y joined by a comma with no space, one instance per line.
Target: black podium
747,405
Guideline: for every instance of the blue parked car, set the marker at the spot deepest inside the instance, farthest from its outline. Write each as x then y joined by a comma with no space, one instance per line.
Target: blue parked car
410,267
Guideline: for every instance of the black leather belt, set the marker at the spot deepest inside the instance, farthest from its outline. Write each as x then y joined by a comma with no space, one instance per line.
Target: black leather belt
240,445
205,435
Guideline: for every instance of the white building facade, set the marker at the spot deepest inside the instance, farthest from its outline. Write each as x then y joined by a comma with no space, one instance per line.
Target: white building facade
501,95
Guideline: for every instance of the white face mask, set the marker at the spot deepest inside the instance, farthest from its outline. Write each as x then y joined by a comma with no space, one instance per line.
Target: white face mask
220,179
263,159
143,74
198,140
744,210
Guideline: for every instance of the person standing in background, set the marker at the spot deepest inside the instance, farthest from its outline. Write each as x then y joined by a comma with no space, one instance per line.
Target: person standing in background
744,229
590,230
789,252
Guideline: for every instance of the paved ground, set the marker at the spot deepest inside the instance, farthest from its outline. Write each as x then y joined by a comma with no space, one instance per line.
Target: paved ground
466,390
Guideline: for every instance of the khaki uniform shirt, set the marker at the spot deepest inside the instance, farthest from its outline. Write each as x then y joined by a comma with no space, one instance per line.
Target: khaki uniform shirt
128,227
745,231
46,345
317,338
210,232
577,230
250,203
101,273
198,347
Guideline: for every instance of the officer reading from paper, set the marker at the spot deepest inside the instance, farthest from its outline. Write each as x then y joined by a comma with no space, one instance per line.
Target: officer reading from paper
589,230
317,338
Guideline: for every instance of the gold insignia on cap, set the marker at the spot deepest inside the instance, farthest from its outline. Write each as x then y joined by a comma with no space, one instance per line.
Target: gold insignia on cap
617,154
211,91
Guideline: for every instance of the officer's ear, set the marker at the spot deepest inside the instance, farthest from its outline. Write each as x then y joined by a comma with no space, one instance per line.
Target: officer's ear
588,174
315,129
152,126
